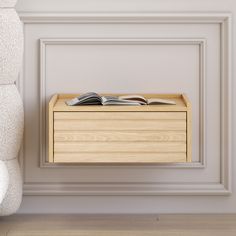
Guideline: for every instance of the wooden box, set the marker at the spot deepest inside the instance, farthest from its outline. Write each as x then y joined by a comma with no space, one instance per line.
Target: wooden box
120,134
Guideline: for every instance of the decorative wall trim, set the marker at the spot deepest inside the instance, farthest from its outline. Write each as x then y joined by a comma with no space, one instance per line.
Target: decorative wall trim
222,187
123,189
44,43
226,103
129,17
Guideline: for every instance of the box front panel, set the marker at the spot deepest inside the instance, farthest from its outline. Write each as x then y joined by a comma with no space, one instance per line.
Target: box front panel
119,137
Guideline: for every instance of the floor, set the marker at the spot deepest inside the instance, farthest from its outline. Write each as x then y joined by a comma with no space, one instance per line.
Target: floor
114,225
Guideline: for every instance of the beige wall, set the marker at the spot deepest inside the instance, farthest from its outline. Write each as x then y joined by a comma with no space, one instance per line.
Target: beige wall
188,59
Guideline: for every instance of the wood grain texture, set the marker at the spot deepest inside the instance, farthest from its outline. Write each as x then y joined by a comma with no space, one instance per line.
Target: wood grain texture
120,115
120,125
119,158
189,127
123,136
120,147
51,127
189,133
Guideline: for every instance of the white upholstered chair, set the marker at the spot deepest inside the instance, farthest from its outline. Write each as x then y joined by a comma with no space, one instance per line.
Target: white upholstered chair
3,180
11,108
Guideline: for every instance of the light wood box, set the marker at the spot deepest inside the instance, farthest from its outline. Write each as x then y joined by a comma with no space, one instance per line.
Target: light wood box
120,134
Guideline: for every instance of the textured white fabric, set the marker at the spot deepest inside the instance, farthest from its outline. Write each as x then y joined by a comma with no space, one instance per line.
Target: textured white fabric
11,108
11,122
7,3
4,179
11,45
12,200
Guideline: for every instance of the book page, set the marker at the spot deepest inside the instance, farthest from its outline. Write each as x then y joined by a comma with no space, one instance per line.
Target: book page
135,97
156,101
90,98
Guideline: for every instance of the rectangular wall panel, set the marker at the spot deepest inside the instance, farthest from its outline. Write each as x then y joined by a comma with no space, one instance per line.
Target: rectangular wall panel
120,54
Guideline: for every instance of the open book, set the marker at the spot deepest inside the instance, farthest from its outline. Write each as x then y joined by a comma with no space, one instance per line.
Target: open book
135,100
151,101
96,99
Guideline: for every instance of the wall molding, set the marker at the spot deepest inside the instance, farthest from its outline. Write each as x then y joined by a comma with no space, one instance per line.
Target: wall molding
123,189
222,187
201,42
128,17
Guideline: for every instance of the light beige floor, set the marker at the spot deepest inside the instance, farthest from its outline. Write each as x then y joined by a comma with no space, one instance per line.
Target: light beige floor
118,225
